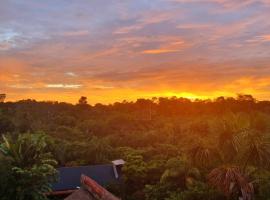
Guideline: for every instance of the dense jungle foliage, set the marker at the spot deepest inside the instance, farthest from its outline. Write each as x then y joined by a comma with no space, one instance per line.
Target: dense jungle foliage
174,148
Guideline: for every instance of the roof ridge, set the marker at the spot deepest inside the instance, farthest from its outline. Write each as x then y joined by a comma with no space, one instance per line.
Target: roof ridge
96,190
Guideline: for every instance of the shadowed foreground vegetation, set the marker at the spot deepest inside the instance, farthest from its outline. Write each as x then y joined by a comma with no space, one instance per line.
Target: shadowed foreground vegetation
175,149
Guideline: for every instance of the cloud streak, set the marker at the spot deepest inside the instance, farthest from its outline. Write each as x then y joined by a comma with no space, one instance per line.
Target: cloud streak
64,86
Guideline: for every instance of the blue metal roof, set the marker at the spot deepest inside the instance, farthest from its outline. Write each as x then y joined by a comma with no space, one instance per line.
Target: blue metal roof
69,177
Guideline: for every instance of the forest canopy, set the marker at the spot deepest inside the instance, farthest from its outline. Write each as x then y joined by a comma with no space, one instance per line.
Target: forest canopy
174,148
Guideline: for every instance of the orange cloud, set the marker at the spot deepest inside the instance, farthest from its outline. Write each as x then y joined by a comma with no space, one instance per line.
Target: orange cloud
76,33
170,46
159,51
64,86
259,39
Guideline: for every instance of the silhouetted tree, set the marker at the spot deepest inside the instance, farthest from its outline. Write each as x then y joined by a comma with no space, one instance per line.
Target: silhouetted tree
2,97
83,100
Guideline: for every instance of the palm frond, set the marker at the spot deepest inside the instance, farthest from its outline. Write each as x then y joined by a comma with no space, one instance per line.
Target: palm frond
230,180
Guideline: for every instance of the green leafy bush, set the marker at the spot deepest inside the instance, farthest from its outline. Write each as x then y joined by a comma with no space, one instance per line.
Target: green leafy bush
28,168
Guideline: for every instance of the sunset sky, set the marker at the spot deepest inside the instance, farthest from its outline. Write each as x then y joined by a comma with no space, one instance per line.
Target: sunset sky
111,50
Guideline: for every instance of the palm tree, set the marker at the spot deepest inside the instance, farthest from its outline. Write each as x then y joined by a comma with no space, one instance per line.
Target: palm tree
203,156
240,147
231,181
256,151
229,178
229,141
30,165
27,150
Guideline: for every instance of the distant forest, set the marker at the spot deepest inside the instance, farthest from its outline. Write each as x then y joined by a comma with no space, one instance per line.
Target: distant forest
174,148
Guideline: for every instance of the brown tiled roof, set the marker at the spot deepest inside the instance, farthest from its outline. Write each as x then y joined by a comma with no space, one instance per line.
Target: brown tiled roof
81,194
91,190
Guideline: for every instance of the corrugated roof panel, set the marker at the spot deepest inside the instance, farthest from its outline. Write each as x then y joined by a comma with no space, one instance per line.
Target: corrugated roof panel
69,177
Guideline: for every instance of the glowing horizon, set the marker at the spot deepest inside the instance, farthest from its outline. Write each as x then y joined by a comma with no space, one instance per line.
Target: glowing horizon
73,99
126,50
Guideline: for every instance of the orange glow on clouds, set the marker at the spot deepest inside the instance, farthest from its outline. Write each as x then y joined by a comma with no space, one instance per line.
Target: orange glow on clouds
158,51
129,50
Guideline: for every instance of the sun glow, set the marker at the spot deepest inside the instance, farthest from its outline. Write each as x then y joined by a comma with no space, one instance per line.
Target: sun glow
192,96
